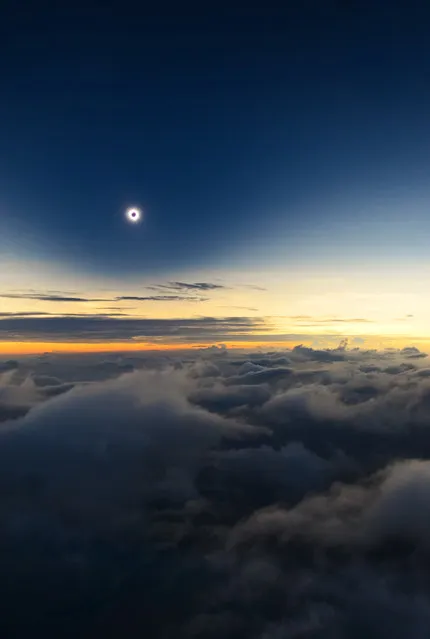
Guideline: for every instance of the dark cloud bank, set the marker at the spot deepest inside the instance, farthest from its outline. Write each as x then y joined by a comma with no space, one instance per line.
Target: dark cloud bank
263,495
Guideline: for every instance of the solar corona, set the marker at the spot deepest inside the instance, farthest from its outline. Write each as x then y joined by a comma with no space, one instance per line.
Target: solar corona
133,215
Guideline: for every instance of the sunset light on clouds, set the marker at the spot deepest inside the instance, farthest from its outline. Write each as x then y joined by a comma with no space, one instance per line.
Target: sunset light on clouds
286,306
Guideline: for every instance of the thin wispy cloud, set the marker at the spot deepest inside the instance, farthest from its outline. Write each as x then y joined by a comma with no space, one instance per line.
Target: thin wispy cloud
24,314
45,297
116,308
317,321
176,286
179,292
188,286
161,298
245,308
254,287
36,314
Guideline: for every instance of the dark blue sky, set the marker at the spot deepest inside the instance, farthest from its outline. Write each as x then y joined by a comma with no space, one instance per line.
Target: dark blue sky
224,121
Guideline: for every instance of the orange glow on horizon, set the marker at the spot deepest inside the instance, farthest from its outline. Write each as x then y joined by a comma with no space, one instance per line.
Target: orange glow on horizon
35,348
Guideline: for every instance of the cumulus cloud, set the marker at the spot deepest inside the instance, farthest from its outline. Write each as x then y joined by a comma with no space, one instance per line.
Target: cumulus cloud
412,351
8,365
17,394
221,398
269,495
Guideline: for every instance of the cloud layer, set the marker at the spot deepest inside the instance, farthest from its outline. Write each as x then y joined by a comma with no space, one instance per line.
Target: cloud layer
276,495
104,328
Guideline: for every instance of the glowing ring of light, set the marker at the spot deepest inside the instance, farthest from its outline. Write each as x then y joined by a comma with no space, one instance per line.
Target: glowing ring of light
133,215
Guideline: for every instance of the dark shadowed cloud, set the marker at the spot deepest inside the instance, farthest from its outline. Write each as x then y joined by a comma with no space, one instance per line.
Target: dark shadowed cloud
412,352
171,496
105,328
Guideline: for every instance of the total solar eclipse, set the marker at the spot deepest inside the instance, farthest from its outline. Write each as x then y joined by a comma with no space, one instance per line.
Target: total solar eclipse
133,215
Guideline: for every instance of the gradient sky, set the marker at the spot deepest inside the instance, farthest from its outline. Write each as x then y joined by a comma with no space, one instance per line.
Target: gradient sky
281,156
